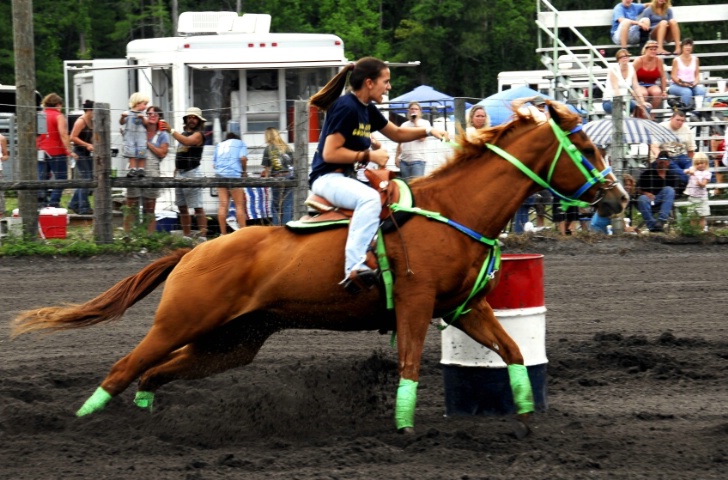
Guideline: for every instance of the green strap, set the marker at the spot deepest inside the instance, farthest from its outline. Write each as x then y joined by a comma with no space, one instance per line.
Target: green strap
404,408
490,266
532,175
487,271
386,270
144,400
521,388
95,402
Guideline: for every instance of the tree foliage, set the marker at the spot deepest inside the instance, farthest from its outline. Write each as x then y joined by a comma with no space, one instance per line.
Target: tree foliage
462,44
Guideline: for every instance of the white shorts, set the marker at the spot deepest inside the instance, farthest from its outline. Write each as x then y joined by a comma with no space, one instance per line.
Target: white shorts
699,205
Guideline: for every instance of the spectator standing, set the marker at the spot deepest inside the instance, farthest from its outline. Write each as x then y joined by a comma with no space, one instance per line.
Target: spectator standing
135,134
4,156
157,149
346,140
650,70
621,81
82,138
477,119
663,26
685,75
230,160
54,147
410,156
626,29
696,190
278,162
656,188
187,165
682,160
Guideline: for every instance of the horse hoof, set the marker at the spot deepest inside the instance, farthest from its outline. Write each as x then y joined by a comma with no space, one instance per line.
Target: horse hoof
406,431
521,429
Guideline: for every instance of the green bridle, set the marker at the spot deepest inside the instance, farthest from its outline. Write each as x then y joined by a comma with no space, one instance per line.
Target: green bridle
590,172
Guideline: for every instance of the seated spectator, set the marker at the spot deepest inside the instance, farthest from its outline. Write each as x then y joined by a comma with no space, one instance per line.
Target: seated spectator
622,80
599,224
683,159
685,75
567,220
651,77
538,200
656,188
663,26
626,29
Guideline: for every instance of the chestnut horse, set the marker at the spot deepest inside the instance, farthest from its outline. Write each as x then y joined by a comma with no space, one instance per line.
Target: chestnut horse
225,297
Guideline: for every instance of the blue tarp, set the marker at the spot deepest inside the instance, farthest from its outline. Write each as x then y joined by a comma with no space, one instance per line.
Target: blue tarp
429,99
498,106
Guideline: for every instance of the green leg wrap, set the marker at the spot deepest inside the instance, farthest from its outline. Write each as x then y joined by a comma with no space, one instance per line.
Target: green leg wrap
404,408
95,402
144,400
521,388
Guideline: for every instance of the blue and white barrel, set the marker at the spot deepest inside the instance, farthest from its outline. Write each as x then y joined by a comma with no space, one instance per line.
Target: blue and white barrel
476,379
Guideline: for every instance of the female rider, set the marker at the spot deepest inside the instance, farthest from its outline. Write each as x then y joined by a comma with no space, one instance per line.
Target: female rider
345,140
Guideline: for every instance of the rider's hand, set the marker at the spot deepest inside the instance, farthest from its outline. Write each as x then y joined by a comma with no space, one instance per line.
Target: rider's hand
439,134
380,157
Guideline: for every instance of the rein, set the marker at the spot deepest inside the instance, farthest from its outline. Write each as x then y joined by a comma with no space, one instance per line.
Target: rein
491,263
590,172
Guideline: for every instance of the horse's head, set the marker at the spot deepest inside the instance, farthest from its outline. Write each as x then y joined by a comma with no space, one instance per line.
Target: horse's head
578,173
570,165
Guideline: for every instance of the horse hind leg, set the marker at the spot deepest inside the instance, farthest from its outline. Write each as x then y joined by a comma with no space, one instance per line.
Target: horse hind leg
230,346
157,344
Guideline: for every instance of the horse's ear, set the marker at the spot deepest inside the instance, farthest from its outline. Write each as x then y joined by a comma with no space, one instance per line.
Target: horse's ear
553,112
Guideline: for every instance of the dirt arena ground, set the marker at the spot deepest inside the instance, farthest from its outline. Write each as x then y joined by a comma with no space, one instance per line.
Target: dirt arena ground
638,373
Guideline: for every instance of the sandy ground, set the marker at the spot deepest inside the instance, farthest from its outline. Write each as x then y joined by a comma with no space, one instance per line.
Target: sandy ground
638,367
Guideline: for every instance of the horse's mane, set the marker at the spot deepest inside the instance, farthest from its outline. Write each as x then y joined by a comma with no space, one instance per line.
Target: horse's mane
526,119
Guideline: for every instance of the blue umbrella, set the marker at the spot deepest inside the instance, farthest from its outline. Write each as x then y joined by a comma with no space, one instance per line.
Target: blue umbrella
498,106
428,98
636,130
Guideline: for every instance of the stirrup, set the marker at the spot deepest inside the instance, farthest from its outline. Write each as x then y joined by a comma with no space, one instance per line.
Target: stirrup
360,280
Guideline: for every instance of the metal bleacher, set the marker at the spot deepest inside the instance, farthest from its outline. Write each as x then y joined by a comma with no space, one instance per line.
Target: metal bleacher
579,67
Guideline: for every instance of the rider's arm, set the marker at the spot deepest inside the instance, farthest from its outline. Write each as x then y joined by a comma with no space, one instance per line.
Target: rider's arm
335,152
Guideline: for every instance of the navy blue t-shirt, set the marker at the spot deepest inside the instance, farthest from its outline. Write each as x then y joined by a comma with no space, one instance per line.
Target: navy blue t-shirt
355,121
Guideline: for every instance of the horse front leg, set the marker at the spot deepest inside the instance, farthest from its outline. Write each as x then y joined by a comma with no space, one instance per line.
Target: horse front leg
413,319
481,324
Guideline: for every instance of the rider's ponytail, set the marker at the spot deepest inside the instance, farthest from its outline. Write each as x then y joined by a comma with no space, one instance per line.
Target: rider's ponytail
365,68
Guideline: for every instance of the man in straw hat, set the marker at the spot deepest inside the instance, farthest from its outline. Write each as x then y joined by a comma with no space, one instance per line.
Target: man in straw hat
191,142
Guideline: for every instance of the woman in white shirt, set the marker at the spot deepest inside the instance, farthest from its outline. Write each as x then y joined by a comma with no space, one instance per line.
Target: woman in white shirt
410,156
621,79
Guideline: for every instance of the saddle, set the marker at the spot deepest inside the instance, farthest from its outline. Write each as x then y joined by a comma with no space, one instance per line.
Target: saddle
380,180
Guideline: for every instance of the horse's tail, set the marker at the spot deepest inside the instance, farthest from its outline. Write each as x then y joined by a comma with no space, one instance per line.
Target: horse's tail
110,305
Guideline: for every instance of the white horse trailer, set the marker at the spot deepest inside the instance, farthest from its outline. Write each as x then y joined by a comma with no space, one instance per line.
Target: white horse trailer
242,76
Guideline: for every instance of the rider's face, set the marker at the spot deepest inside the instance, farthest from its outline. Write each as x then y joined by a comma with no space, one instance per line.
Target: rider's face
380,86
